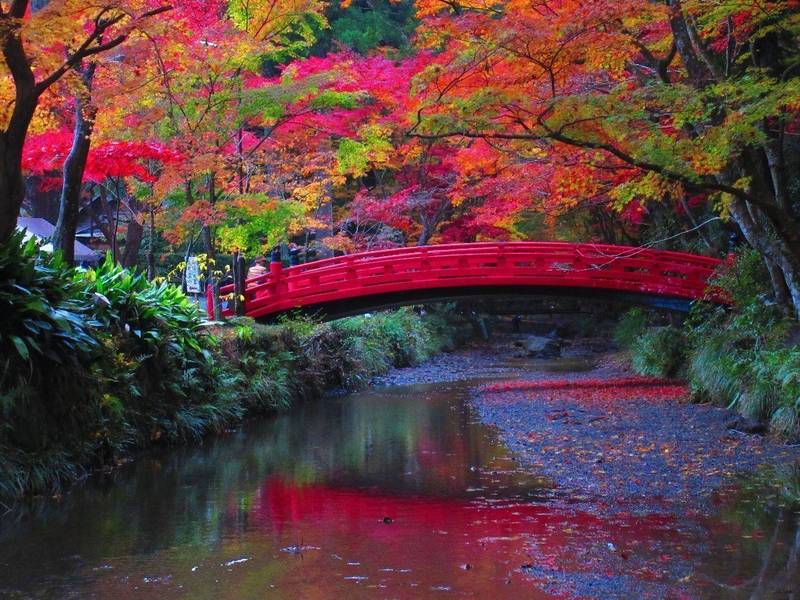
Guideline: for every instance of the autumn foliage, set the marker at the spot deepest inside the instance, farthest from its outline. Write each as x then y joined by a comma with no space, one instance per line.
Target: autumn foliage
668,123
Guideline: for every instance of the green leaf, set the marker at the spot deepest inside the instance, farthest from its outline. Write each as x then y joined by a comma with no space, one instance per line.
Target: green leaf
21,347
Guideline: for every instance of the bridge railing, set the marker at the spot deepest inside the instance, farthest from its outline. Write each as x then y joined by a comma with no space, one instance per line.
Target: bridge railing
542,264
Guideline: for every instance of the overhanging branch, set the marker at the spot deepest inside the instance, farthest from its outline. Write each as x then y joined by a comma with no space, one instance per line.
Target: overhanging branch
548,134
87,49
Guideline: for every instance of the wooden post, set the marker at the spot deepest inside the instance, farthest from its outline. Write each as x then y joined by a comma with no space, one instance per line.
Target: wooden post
275,269
213,304
242,268
217,302
239,277
236,287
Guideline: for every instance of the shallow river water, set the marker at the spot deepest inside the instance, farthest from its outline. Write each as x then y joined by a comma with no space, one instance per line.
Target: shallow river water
392,493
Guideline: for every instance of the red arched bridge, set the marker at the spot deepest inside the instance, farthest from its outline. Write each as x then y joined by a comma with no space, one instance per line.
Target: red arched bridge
371,280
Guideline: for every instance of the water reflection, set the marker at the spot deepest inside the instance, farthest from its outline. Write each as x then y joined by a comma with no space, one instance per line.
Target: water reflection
754,541
395,494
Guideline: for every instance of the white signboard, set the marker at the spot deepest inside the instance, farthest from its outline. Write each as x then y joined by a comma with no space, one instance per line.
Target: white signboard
192,275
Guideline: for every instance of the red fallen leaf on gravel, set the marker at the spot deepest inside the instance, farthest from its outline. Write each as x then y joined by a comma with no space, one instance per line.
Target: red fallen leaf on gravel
598,392
555,384
558,415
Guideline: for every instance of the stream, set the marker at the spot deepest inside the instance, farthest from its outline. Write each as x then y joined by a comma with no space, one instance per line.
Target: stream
395,492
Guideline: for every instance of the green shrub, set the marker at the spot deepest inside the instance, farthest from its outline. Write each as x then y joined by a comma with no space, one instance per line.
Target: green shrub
714,372
785,422
632,325
447,330
660,352
744,280
743,357
297,326
254,354
394,338
776,375
159,359
374,343
94,362
50,397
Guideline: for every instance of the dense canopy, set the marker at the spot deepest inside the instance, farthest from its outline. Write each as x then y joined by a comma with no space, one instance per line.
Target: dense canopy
238,125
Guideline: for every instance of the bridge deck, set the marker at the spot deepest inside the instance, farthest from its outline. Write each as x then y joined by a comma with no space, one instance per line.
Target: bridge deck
546,266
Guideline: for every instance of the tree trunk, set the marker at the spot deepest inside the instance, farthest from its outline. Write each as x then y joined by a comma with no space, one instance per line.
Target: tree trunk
757,232
208,241
12,187
700,231
27,93
133,242
773,151
74,167
107,225
779,291
773,233
698,72
12,139
425,233
771,227
151,256
206,234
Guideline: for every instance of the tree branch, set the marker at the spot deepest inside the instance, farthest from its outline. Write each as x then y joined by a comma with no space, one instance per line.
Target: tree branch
86,49
559,136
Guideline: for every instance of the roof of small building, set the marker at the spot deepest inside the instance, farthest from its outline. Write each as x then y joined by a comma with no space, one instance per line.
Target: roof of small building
43,229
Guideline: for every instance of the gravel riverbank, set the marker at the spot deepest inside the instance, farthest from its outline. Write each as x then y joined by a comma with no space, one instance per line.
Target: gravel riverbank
602,433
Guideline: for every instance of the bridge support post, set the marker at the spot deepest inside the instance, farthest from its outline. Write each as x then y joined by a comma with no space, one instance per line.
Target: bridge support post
275,269
213,305
294,257
210,297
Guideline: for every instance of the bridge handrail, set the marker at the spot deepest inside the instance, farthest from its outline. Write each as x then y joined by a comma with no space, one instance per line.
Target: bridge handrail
548,247
560,263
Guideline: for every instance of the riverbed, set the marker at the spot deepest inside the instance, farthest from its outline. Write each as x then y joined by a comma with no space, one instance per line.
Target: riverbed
479,475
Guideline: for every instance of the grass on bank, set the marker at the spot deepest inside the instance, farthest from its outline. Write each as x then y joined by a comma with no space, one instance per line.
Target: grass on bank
95,364
746,358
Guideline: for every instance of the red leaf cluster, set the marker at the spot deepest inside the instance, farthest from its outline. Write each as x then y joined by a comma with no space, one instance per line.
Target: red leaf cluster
595,390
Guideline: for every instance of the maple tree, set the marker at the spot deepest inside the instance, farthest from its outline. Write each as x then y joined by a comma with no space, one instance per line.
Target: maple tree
391,183
39,49
118,177
675,97
213,102
183,75
410,190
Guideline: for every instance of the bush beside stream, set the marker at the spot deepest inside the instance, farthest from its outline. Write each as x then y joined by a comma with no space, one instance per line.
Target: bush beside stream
95,364
746,357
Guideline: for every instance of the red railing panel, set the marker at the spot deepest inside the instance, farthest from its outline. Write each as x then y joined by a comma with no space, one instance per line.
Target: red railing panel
536,264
